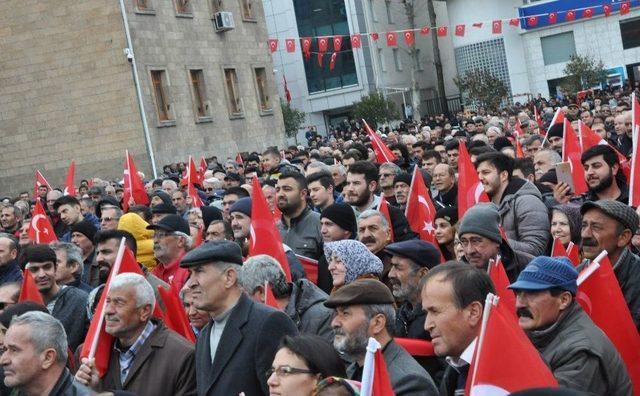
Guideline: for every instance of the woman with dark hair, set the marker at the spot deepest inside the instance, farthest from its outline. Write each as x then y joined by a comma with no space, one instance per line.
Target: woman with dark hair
566,224
300,363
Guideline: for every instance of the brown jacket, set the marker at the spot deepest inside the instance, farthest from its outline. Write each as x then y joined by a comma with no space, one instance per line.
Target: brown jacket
165,365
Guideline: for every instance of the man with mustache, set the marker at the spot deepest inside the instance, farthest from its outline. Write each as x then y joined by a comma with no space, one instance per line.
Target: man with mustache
365,308
579,354
480,236
610,225
171,241
401,187
65,303
147,358
453,296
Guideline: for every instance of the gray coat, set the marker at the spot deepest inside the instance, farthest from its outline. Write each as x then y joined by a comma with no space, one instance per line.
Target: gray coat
407,377
581,356
307,310
303,234
245,352
524,217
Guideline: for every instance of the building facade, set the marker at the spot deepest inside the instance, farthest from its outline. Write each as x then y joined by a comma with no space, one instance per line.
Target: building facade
68,91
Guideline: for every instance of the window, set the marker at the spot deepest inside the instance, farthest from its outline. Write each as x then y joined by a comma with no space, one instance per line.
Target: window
387,5
159,83
247,10
372,7
216,6
264,105
183,7
143,6
396,59
418,60
233,96
199,94
558,48
630,33
383,65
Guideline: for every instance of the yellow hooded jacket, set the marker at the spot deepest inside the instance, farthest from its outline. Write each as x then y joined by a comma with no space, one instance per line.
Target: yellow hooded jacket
134,224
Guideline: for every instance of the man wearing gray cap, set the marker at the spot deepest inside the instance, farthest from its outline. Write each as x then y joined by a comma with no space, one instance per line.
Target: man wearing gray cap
610,225
236,348
579,354
363,309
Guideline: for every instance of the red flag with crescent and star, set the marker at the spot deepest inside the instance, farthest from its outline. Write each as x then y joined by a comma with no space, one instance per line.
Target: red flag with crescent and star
40,228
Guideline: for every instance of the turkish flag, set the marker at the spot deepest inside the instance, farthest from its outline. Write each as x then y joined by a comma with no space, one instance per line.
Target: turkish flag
425,30
175,317
133,185
558,118
98,343
383,207
420,211
501,281
536,115
470,191
375,36
356,41
634,183
604,302
625,8
571,152
239,159
392,39
332,61
381,381
40,181
306,47
323,44
287,95
532,21
607,10
310,267
505,360
204,166
337,43
273,45
496,26
477,25
191,178
570,16
383,154
558,249
290,44
265,237
573,252
416,346
553,17
519,152
514,22
70,188
409,37
460,30
197,241
40,228
269,297
588,13
29,290
442,31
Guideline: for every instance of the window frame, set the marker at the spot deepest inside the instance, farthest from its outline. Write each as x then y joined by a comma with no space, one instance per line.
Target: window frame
269,100
148,10
251,16
397,59
550,62
629,21
183,8
199,97
170,118
235,92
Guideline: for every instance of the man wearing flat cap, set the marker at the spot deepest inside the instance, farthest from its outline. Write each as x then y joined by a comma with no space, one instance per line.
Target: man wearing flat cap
236,348
610,225
579,354
171,240
363,309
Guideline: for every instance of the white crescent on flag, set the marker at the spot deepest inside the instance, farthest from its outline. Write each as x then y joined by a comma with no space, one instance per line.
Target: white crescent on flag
35,220
478,192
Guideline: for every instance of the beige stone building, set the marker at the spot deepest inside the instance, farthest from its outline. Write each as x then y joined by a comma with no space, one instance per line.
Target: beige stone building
67,90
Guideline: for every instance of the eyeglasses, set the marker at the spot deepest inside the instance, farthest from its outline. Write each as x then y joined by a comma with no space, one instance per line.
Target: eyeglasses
284,371
4,305
162,234
107,218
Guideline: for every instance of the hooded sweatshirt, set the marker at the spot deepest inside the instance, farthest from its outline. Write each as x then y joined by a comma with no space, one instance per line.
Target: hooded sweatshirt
136,226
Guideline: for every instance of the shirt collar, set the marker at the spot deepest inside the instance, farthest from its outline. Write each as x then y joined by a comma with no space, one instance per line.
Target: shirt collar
465,357
146,332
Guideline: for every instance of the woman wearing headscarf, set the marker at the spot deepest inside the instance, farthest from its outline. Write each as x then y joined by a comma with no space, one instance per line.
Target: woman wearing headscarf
350,260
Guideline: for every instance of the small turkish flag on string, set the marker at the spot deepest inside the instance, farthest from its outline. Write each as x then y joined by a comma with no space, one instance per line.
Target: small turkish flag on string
570,16
588,13
392,39
607,10
40,228
460,30
273,45
625,7
425,30
409,37
70,188
383,207
306,47
356,41
496,27
332,61
442,31
553,17
40,181
477,25
290,44
287,95
532,21
337,43
514,22
323,44
375,36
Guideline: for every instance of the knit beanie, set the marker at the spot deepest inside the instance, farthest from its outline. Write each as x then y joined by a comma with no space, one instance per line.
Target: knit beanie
209,214
166,198
342,214
482,219
556,130
357,259
449,213
403,177
243,205
86,228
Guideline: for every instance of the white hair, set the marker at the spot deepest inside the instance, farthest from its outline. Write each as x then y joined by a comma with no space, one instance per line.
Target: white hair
144,291
373,213
46,332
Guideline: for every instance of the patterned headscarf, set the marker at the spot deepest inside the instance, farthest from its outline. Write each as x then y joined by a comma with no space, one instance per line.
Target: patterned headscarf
357,259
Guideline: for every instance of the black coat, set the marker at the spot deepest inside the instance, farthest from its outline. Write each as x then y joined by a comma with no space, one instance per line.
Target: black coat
245,352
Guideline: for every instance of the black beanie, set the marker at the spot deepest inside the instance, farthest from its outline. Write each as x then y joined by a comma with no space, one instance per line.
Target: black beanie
449,213
556,130
86,228
403,177
343,216
209,214
39,254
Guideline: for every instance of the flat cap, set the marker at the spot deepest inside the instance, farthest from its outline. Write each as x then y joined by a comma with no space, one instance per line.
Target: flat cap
360,292
211,252
624,214
171,223
163,208
420,252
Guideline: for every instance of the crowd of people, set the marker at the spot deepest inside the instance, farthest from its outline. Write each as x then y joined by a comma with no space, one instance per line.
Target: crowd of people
373,276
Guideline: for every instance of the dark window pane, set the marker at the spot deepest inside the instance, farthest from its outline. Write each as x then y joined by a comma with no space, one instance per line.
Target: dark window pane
630,33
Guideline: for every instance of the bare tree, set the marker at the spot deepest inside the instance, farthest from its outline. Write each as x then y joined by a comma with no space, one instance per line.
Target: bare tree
437,62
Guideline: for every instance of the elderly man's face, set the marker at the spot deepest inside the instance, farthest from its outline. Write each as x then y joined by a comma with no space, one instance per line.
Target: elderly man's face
21,362
208,286
123,318
351,327
215,232
542,164
442,179
531,150
478,250
539,309
405,276
197,318
601,232
373,233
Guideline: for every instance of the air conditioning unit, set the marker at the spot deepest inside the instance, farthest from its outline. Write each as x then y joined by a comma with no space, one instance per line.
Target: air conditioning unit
223,21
